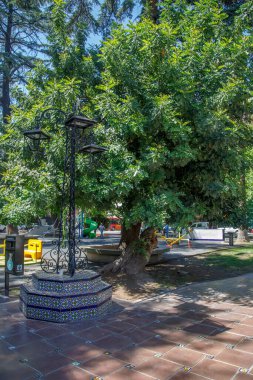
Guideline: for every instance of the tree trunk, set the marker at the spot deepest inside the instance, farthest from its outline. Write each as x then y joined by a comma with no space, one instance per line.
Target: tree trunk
154,11
129,234
11,229
7,67
136,250
242,235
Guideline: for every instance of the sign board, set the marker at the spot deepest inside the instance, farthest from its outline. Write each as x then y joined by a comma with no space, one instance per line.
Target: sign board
207,234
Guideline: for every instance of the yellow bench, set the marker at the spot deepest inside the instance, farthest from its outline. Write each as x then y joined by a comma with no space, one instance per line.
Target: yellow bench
34,249
2,247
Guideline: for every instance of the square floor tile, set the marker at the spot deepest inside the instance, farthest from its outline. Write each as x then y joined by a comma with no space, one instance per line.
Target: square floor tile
157,345
138,335
66,341
83,352
226,337
113,342
22,338
177,322
219,323
236,357
134,355
242,329
102,365
69,372
243,376
245,345
14,328
16,371
183,356
215,370
244,310
34,349
49,362
181,375
201,329
120,326
207,346
138,321
248,321
127,374
194,315
177,336
93,333
233,317
51,332
158,368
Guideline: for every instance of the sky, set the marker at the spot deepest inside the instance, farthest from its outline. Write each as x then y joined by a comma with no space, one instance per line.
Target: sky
95,39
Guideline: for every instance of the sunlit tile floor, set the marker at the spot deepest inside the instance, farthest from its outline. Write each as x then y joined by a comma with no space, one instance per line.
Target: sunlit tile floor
167,337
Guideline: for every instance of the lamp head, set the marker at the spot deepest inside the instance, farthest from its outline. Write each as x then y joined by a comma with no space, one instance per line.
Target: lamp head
92,149
80,122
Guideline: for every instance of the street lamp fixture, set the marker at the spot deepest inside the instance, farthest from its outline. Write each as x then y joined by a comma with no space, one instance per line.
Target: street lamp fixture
34,138
79,122
92,149
72,257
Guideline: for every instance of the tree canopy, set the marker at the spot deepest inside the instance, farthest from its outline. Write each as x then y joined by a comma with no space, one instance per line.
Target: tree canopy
176,97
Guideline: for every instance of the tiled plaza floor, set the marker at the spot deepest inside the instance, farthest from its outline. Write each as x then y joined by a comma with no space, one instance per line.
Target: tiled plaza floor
201,331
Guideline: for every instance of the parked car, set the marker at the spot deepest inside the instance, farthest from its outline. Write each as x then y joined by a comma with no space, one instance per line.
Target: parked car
229,229
204,225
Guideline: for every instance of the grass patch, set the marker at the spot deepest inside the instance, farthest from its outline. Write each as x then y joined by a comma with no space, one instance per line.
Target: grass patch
237,257
216,265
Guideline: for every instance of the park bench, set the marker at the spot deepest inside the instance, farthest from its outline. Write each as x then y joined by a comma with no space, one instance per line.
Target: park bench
34,249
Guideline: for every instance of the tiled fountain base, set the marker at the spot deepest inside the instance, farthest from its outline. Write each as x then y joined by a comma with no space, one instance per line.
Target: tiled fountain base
55,298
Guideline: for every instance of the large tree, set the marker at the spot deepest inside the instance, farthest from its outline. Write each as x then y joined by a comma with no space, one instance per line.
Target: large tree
30,186
25,34
176,97
21,24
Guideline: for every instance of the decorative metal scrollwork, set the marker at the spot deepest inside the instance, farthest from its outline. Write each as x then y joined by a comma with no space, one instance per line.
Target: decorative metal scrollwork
58,259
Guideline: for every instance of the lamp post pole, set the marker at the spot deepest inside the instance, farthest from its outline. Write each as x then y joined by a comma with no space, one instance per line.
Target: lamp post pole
72,209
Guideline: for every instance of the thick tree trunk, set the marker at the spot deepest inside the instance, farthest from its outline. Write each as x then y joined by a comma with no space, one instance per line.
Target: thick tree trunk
11,229
136,251
154,11
7,66
242,235
129,234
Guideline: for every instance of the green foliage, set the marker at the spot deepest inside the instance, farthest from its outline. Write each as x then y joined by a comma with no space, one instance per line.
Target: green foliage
31,184
177,98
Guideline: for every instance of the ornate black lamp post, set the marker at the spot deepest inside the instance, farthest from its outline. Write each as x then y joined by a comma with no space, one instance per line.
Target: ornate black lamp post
71,257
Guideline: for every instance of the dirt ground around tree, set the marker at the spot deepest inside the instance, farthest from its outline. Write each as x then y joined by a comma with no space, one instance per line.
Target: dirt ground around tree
160,278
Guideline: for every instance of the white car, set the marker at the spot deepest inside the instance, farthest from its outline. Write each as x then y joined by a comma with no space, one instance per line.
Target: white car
202,225
228,229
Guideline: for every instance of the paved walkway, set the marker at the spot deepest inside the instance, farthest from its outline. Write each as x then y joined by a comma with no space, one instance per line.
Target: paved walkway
201,331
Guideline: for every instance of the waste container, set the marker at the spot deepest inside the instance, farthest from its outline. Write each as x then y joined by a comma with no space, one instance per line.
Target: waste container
14,255
230,238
